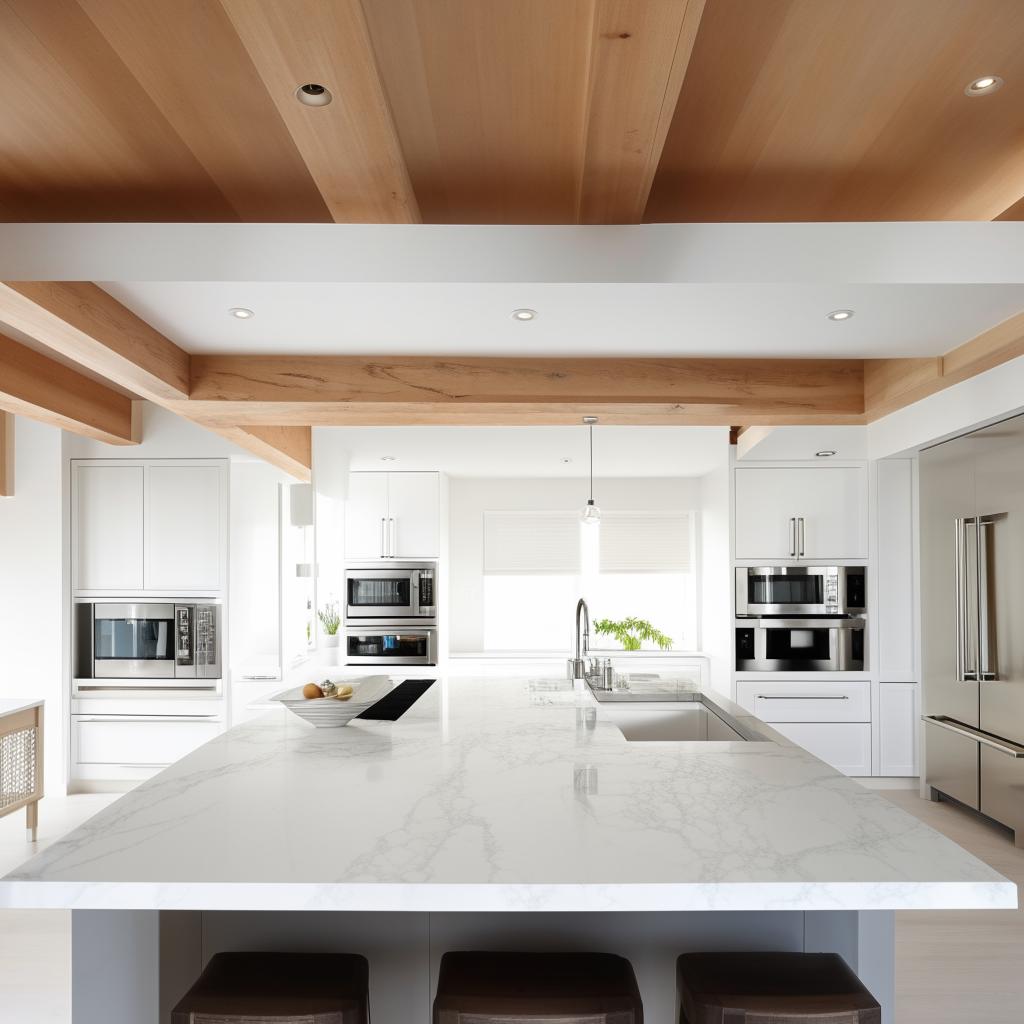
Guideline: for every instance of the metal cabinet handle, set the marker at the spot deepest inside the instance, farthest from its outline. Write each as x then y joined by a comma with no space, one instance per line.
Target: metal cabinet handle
800,537
803,696
792,537
383,550
1003,746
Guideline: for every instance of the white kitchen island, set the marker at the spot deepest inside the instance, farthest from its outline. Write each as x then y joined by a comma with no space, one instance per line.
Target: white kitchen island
496,813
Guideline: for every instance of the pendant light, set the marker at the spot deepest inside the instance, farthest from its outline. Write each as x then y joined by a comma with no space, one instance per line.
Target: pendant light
591,514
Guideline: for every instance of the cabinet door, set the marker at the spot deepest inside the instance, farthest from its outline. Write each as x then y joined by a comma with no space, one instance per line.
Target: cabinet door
414,509
366,513
766,501
141,741
895,569
811,701
832,507
829,504
897,728
184,518
108,528
846,745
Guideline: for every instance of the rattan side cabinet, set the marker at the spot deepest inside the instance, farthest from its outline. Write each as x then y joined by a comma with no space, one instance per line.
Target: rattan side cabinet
21,759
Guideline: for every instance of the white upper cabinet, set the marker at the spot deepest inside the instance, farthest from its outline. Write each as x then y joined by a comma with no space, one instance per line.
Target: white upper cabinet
392,515
107,525
366,516
143,527
184,516
794,513
414,507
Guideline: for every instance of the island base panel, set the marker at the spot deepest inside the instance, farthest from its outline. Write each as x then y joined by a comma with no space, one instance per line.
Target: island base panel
131,967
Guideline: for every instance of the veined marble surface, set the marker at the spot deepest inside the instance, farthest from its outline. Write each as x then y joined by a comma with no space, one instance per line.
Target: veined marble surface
500,794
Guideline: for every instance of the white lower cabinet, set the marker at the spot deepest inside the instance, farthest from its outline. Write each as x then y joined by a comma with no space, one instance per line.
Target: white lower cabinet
831,719
897,728
844,745
134,746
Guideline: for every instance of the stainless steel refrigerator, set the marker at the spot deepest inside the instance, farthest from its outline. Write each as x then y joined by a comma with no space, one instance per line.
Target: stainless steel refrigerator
972,620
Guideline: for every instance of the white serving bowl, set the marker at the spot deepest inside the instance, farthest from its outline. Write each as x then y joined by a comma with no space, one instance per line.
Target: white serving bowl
328,713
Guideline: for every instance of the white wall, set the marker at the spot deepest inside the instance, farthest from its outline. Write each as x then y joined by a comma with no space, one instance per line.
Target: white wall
164,436
469,498
716,601
31,565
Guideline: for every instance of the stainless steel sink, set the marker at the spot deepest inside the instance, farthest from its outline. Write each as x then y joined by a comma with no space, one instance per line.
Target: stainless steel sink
662,713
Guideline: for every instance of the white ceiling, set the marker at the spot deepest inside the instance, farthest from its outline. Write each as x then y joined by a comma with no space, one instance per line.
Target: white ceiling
533,451
655,289
572,319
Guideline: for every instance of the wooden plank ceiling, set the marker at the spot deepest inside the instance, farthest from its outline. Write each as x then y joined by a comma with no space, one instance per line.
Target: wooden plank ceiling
490,111
487,111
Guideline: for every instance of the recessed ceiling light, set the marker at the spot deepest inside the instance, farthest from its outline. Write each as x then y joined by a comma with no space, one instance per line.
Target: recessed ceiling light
567,461
825,453
840,314
983,86
241,313
523,314
387,458
313,94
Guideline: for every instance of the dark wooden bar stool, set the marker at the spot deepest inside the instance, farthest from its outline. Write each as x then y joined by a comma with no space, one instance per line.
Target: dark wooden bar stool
304,988
772,988
597,988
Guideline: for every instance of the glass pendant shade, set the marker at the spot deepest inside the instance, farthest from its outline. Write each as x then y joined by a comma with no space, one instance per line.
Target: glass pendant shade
591,514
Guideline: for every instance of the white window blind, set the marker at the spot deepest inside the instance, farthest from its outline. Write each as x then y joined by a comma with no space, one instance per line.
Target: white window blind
538,543
645,542
548,543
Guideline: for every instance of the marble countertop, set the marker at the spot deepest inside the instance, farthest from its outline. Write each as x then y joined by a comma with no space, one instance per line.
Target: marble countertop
501,794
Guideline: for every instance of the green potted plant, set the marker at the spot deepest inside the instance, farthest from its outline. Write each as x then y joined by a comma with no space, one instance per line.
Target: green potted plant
330,620
631,632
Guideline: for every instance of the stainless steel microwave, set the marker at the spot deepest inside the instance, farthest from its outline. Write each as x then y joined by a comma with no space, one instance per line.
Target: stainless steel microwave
801,590
148,643
400,590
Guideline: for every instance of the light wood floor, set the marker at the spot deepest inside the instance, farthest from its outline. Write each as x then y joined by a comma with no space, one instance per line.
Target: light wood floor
963,965
956,967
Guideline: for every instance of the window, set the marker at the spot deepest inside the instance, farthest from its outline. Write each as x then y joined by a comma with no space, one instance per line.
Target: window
538,564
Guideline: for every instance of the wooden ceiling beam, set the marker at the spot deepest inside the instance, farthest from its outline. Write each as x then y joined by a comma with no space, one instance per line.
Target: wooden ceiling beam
42,389
6,455
238,390
350,146
290,449
82,322
640,50
890,384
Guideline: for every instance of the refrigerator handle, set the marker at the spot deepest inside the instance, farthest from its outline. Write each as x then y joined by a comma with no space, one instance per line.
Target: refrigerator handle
988,668
964,673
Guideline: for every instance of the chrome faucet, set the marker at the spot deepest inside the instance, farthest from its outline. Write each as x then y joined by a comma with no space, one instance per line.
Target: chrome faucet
579,663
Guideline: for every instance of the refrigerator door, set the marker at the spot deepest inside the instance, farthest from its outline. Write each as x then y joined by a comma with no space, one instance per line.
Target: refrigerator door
1000,501
1002,786
952,765
948,599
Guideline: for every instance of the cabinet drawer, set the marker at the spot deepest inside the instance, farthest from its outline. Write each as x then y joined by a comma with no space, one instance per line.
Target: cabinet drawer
846,746
806,701
139,741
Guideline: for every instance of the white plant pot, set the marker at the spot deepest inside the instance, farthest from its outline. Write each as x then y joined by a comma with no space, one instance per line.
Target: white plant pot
332,650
